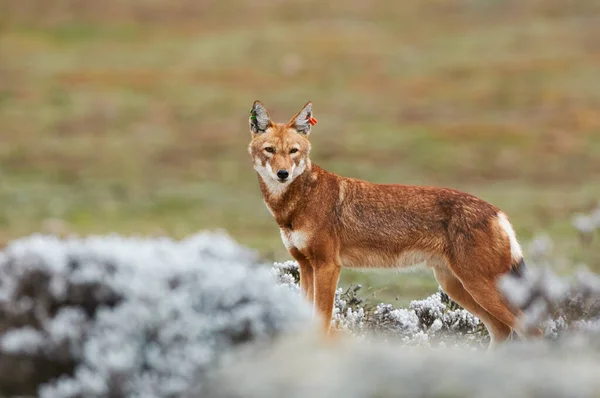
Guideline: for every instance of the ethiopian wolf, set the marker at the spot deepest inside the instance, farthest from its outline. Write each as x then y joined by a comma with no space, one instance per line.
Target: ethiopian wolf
328,221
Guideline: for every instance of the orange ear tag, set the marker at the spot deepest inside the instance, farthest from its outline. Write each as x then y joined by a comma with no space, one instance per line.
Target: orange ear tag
312,121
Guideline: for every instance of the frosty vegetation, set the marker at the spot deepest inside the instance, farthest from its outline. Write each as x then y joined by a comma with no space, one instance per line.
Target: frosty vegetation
587,224
303,366
123,317
432,321
564,364
155,317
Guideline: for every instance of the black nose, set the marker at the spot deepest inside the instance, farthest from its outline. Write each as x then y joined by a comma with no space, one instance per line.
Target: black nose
283,174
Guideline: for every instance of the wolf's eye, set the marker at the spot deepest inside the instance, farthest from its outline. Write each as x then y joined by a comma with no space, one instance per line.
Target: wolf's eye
270,149
294,150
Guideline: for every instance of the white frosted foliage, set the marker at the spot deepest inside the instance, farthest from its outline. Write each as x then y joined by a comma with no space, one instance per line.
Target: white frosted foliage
132,315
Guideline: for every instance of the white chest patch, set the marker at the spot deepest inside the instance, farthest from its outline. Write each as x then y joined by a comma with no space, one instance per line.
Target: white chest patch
297,239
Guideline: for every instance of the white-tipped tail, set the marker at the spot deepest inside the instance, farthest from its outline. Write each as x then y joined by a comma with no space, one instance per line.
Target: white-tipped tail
515,248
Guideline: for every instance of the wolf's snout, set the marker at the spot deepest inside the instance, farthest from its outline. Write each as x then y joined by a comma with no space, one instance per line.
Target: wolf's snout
283,174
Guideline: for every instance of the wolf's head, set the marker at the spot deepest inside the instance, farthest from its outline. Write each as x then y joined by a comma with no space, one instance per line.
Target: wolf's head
280,150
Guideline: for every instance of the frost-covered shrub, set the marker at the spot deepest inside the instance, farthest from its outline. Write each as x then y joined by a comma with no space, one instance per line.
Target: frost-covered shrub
124,317
567,366
121,317
553,303
287,274
427,321
558,305
587,224
305,367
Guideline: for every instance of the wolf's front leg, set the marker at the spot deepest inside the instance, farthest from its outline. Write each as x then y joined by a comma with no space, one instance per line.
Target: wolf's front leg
326,276
306,275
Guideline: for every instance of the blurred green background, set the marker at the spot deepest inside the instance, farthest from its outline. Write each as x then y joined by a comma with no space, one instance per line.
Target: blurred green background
131,116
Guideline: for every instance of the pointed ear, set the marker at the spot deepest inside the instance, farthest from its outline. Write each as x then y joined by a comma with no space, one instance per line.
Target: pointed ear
303,120
259,119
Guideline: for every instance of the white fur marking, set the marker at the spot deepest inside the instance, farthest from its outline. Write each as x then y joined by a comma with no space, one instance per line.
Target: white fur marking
284,238
270,179
275,187
296,171
297,239
515,248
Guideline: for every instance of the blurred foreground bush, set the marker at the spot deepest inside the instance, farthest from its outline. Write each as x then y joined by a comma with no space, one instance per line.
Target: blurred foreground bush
305,367
113,316
565,364
123,317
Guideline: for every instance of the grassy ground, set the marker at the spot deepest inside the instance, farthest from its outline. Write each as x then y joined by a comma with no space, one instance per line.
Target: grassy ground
132,116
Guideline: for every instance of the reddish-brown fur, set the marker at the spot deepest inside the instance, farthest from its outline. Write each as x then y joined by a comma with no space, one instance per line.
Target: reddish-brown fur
328,221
